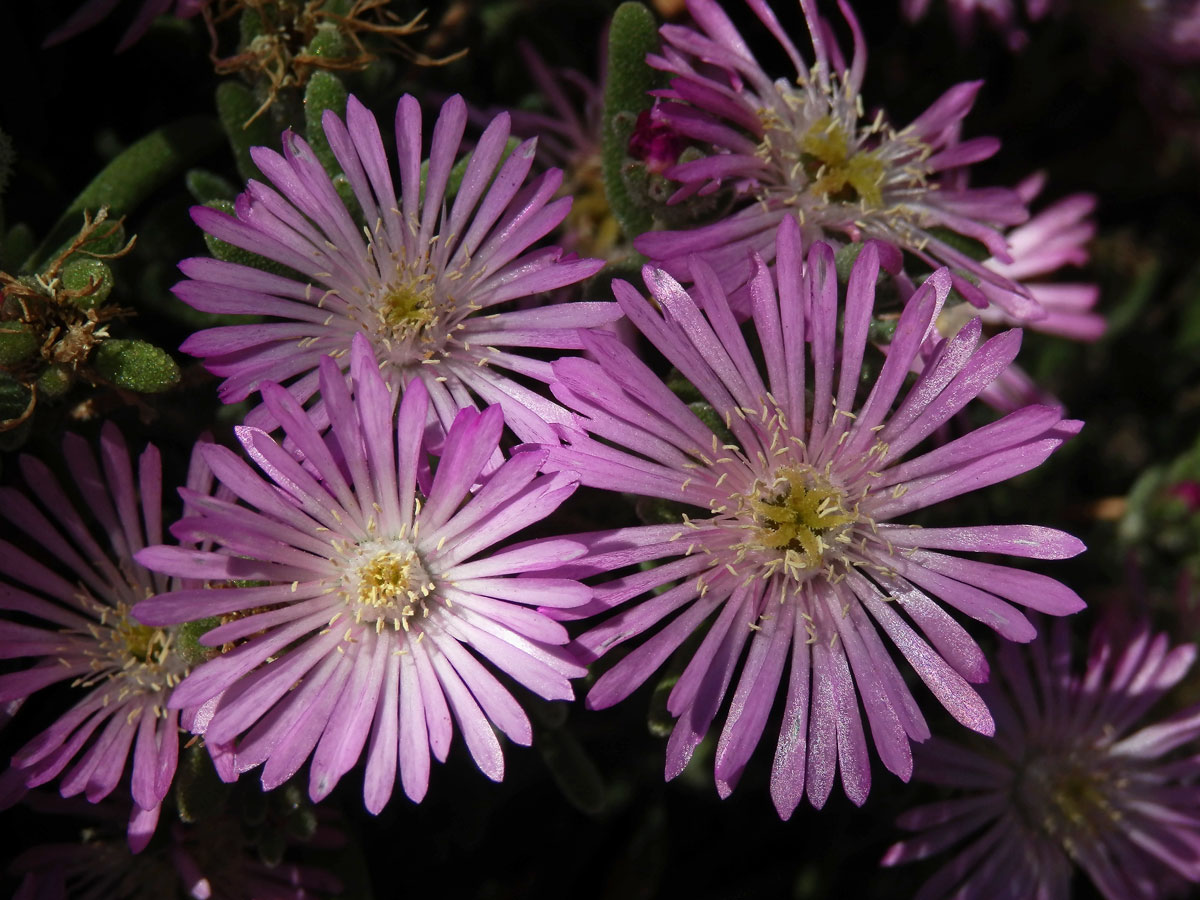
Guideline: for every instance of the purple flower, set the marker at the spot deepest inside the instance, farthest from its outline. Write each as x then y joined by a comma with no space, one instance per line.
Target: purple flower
426,284
1057,236
68,608
376,579
1068,780
805,148
799,548
92,12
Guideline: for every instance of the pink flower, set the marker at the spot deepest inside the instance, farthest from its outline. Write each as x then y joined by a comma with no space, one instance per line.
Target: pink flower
791,541
75,621
804,147
380,586
1073,777
424,285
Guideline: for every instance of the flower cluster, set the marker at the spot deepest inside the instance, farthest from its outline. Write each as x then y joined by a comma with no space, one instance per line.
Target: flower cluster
458,469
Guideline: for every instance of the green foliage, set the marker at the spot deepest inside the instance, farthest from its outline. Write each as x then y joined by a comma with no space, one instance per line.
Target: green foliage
54,381
325,91
92,277
237,108
136,366
632,35
18,342
124,183
961,242
187,641
15,400
199,792
207,186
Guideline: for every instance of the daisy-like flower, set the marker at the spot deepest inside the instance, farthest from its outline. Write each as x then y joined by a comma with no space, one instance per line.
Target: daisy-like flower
1074,777
68,608
380,592
799,548
93,12
805,148
426,283
1057,236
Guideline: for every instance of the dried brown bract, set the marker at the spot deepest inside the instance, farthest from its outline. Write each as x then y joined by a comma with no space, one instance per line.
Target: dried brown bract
285,41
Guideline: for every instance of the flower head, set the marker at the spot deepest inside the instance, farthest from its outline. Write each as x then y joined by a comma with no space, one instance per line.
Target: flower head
798,547
69,608
425,284
378,592
806,148
1072,777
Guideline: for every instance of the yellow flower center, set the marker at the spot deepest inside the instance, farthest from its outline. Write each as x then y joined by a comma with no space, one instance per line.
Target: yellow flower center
800,518
148,646
408,310
838,172
1068,799
389,585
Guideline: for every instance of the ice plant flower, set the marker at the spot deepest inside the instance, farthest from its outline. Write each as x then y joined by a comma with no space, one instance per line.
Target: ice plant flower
1055,237
381,591
1076,776
92,12
425,284
68,608
796,545
805,148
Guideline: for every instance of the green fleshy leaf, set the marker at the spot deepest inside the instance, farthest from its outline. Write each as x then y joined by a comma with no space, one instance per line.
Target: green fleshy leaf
206,186
88,274
235,107
327,43
659,720
633,34
54,381
17,343
881,331
199,791
136,366
124,183
960,242
187,641
325,91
